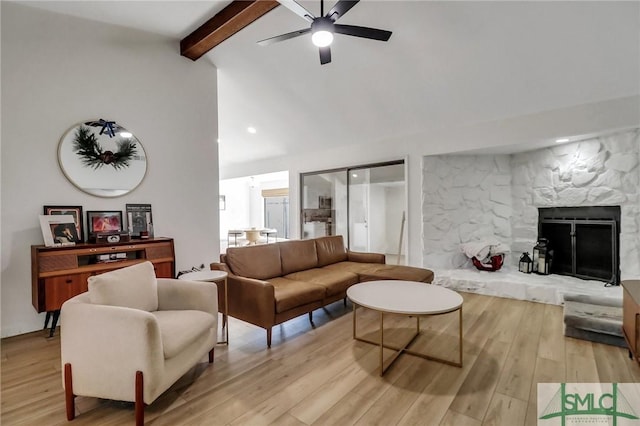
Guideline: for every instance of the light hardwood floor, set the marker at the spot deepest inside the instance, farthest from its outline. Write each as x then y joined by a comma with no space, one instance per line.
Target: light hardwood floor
321,376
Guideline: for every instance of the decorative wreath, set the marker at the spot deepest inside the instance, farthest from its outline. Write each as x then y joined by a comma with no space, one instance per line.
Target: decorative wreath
86,145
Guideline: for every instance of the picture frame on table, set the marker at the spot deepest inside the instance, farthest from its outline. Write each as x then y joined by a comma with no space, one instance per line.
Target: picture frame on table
139,220
58,230
75,211
103,222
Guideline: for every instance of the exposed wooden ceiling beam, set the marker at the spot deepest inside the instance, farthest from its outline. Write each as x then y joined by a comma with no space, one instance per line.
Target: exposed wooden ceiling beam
223,25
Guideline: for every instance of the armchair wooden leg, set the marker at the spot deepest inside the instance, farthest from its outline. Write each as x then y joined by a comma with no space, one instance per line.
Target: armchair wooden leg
311,317
211,356
344,301
139,402
68,393
269,337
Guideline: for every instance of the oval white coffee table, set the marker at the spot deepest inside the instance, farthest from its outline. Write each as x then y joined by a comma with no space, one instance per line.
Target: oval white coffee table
214,277
407,298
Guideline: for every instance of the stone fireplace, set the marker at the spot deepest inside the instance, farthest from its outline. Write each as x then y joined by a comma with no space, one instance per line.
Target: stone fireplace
474,197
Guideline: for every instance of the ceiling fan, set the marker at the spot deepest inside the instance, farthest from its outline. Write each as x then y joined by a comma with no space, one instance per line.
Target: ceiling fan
323,27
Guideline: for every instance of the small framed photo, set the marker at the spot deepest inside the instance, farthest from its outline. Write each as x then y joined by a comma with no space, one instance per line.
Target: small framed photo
58,230
139,220
75,211
324,202
103,221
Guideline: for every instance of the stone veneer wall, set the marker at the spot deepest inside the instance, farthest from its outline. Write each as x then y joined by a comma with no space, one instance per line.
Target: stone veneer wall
468,198
598,172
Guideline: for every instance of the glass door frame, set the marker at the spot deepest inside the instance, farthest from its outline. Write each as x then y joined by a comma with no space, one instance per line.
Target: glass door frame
348,171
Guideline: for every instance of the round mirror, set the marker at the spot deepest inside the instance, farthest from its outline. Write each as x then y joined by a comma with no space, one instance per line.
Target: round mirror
102,158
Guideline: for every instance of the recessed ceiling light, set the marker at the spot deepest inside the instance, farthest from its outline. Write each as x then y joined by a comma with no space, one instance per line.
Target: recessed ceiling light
252,130
126,134
355,175
562,140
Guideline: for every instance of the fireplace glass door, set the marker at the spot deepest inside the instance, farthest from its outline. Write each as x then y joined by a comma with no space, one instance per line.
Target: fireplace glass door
595,249
559,233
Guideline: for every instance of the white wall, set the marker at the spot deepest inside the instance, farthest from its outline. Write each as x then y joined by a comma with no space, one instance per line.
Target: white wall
58,71
238,201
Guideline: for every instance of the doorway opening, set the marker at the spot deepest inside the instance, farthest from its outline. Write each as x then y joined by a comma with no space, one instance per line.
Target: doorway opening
254,203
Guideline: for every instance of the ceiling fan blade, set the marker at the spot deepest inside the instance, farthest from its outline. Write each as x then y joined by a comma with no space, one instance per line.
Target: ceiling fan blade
340,8
364,32
287,36
325,55
296,8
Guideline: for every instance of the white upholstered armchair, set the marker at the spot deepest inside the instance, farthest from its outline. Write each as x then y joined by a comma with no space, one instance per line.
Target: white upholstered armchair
131,336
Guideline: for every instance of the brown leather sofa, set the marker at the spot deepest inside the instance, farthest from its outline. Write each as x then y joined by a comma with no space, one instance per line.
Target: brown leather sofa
272,283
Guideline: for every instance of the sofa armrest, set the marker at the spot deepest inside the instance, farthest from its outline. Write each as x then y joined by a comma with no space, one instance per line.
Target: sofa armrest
252,300
354,256
216,266
176,295
107,345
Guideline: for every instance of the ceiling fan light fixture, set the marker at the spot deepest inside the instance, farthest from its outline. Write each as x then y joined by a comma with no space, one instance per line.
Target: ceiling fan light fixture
322,38
322,32
324,27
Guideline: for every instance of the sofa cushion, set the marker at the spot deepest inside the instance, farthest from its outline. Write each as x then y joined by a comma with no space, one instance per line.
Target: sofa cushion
131,287
396,272
179,329
330,250
355,267
290,294
260,262
298,255
335,282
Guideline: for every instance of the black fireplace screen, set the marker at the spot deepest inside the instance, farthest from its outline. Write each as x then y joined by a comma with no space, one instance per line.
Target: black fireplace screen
584,241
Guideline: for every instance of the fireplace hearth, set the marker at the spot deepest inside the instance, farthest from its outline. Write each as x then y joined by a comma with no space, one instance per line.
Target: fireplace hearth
585,241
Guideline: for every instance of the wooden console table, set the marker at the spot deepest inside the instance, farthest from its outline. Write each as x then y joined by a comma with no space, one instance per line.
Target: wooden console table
60,273
631,316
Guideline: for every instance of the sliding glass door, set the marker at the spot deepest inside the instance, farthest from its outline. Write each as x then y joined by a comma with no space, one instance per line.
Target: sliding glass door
364,204
324,208
377,199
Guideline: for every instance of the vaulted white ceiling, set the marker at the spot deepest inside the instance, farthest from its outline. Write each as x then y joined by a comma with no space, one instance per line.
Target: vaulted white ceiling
446,64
